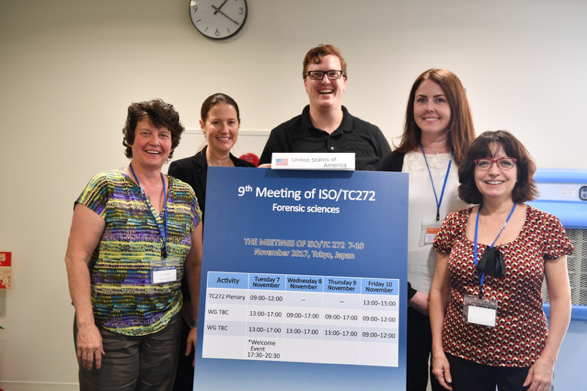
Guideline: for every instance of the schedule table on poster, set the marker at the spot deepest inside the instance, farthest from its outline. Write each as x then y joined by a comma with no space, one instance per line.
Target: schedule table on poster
301,318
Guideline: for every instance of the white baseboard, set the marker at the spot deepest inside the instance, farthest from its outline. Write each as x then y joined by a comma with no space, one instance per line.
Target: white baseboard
37,386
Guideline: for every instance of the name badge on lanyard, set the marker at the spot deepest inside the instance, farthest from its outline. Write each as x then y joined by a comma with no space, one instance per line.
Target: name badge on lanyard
477,309
480,311
164,270
428,231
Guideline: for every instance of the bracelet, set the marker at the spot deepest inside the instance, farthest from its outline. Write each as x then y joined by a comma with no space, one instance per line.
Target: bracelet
194,324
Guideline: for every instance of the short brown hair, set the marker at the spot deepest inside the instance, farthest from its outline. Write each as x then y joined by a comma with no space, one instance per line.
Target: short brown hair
160,114
316,54
525,188
461,130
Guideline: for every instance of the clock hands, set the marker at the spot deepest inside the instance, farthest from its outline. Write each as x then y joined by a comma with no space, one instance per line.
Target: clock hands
218,9
226,16
209,24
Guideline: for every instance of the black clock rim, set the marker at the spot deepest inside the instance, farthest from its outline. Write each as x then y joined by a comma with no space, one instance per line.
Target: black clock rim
228,36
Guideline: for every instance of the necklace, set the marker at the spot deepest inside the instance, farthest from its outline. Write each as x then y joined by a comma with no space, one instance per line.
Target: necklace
436,151
154,190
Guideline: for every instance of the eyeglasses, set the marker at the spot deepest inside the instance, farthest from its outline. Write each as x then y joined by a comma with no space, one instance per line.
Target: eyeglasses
319,75
505,163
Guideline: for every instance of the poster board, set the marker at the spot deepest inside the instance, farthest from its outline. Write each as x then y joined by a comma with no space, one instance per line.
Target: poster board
303,281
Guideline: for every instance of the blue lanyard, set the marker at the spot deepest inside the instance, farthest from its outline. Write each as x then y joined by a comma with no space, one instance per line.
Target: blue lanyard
438,202
162,233
482,277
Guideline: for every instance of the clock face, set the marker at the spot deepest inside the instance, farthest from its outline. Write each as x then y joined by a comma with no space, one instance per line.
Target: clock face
218,19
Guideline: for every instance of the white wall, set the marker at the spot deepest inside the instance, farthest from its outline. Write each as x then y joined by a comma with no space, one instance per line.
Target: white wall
70,68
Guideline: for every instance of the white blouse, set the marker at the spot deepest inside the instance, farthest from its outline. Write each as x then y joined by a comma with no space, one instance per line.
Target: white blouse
422,206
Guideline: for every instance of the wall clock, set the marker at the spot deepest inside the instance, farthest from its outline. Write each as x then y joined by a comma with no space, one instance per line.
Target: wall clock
218,19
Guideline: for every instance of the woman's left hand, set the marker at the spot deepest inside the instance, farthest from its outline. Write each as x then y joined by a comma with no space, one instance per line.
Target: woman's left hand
191,344
557,282
540,375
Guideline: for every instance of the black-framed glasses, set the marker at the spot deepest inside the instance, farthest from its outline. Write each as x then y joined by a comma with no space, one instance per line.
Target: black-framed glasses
505,163
319,75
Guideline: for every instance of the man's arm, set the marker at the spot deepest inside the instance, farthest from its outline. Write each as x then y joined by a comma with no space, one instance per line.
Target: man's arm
275,143
383,147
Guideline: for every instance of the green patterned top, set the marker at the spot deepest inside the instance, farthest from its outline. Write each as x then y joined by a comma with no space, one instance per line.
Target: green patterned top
124,299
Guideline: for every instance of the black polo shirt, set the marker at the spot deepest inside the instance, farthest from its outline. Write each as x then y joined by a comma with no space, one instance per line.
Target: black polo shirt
353,135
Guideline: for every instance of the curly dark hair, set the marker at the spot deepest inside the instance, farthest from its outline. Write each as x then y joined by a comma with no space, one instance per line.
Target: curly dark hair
525,188
160,114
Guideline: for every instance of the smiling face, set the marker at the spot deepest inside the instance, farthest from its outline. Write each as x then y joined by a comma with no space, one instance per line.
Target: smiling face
151,146
221,127
325,93
496,182
431,109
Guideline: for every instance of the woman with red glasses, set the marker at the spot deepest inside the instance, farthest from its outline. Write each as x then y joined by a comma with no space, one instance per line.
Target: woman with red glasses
488,325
